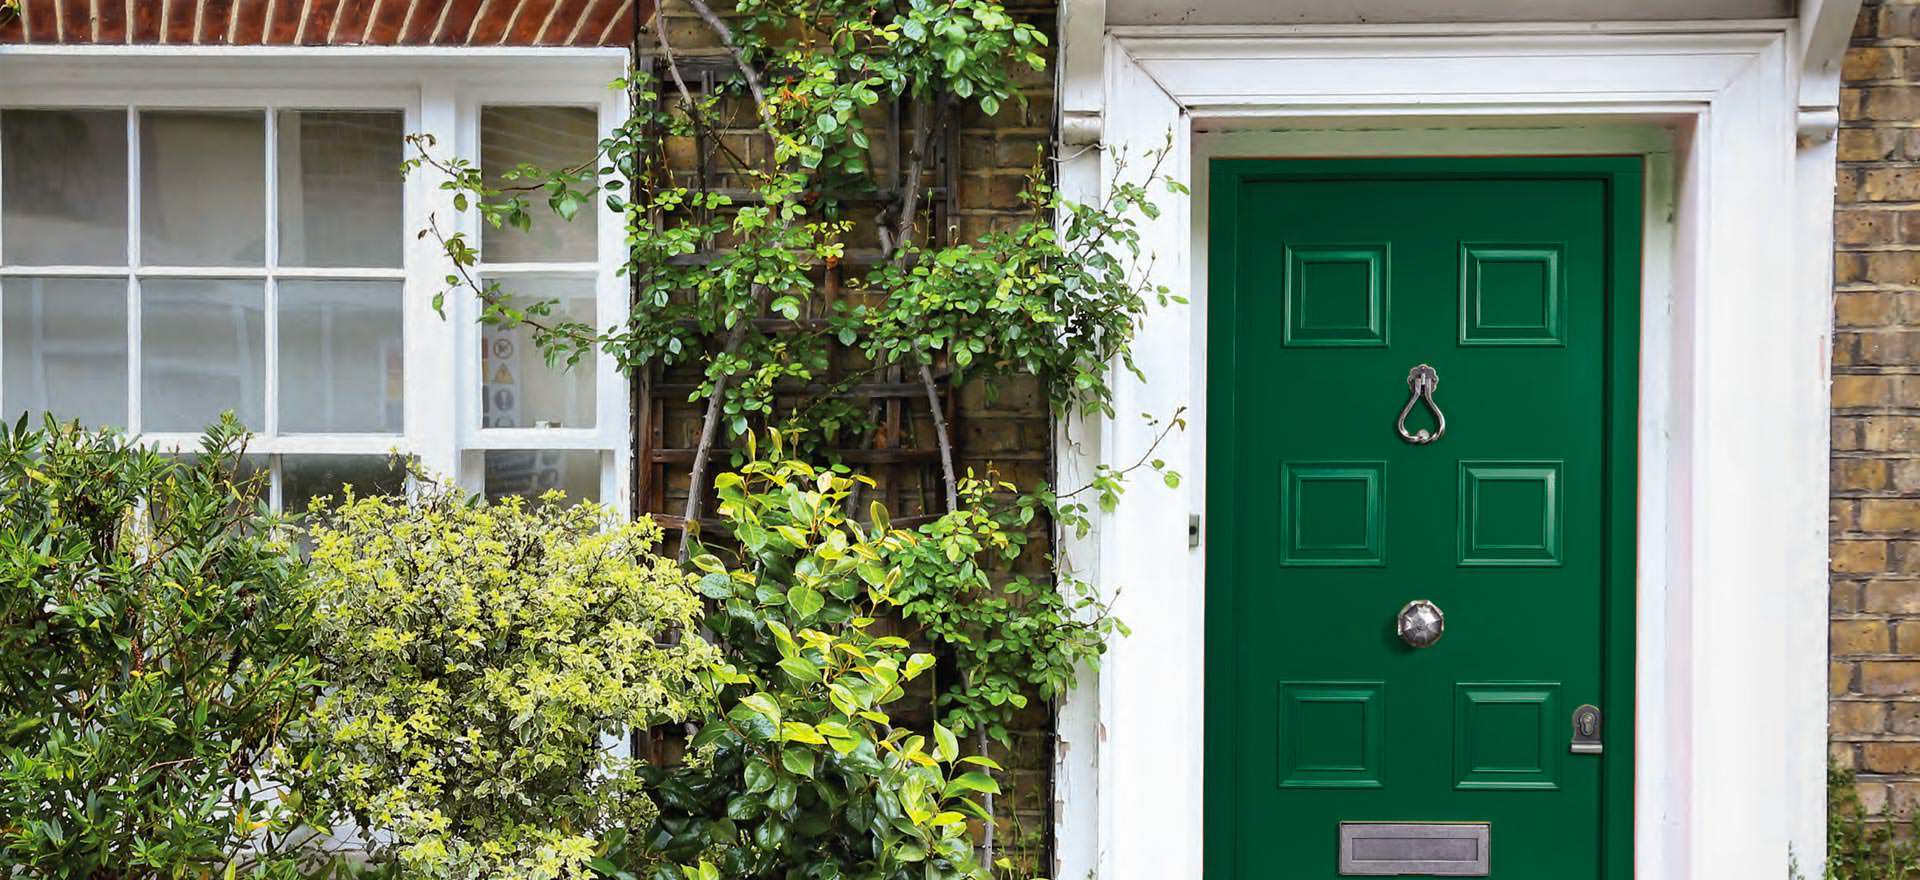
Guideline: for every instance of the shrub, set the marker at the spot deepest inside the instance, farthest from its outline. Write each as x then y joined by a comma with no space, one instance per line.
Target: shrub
800,772
1858,849
480,658
152,658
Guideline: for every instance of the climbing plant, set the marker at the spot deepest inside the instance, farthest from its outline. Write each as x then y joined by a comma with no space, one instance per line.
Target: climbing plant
758,291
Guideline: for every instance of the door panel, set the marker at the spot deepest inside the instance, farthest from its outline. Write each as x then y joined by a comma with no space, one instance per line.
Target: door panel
1501,284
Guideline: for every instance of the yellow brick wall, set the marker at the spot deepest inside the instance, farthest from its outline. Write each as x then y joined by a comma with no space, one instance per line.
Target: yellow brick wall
1874,720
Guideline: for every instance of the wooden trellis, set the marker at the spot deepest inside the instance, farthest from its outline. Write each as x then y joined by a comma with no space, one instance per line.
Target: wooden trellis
900,453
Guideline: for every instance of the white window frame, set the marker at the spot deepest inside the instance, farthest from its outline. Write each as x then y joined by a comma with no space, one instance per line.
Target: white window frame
1730,654
439,92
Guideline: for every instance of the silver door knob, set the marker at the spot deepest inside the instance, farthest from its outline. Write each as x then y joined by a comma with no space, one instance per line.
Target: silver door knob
1421,623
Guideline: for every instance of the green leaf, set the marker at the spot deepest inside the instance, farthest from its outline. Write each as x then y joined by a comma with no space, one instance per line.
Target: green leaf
972,780
762,705
716,586
948,744
797,761
805,601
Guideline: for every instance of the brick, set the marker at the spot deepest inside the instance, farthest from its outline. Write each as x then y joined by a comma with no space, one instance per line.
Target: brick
1870,62
1860,474
1852,716
1867,144
1859,637
1888,596
1890,678
1839,679
1843,598
1890,514
1903,719
1856,556
1863,391
1890,433
1860,227
1890,185
1892,757
1864,308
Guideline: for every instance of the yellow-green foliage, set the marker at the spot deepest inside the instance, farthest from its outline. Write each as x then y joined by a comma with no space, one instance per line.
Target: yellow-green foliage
481,658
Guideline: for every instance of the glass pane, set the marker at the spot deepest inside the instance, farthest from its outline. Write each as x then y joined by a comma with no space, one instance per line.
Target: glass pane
340,356
63,187
202,350
340,188
519,389
65,341
530,474
550,138
311,477
203,189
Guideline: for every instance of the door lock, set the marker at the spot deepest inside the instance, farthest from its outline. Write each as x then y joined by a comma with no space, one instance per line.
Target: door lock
1586,730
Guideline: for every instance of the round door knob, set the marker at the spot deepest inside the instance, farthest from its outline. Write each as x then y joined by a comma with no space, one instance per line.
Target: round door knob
1421,623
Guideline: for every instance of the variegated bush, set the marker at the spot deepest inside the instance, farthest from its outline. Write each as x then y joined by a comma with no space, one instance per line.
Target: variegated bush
482,659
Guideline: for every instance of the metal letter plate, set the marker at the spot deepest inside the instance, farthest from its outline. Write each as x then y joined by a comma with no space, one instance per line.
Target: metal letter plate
1420,849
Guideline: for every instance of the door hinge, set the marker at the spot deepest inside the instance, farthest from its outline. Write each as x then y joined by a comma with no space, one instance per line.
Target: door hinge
1193,530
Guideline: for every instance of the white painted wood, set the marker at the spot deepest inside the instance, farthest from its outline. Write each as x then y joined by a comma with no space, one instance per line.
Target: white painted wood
1733,421
1254,12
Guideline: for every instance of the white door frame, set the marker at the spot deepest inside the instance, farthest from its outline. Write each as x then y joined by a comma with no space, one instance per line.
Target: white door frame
1737,120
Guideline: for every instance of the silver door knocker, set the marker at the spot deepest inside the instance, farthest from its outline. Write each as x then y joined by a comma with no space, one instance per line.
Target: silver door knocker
1421,623
1422,381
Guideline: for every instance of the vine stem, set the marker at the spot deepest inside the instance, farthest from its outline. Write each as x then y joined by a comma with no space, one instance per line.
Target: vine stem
752,77
709,426
986,803
940,434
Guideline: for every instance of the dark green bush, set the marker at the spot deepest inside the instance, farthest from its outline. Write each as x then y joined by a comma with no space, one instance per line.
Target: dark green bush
1858,849
152,659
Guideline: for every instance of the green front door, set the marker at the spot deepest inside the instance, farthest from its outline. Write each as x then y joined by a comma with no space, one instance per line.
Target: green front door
1515,282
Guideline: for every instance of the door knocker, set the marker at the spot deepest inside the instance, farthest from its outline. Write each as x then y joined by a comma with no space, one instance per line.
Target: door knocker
1422,381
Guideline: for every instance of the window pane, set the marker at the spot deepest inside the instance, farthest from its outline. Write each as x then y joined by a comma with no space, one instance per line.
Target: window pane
340,356
550,138
203,186
65,341
530,474
310,477
63,187
339,188
519,390
201,351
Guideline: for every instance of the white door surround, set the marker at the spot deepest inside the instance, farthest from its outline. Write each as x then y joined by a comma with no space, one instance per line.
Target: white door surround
1736,120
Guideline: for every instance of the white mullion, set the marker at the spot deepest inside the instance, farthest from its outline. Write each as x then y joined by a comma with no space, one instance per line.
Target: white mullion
276,493
324,273
611,417
590,269
3,201
202,271
431,344
135,418
64,271
271,319
467,334
2,266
